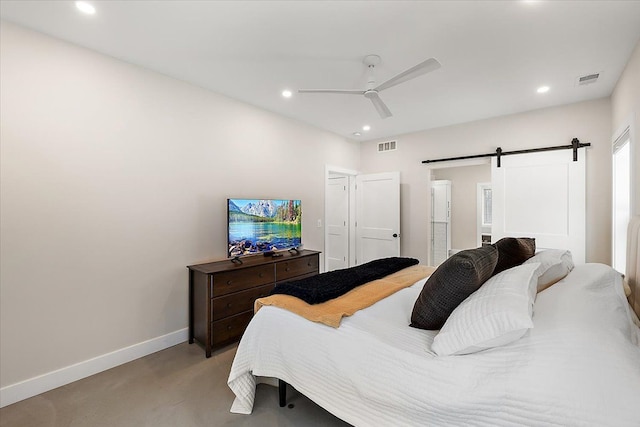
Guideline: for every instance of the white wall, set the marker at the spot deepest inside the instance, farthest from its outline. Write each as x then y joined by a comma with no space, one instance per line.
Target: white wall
589,121
114,179
625,111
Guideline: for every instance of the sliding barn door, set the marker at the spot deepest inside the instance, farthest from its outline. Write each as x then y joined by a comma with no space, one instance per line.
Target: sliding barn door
541,195
377,216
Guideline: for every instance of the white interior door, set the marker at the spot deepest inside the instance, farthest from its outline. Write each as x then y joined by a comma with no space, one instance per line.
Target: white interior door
377,216
541,195
337,218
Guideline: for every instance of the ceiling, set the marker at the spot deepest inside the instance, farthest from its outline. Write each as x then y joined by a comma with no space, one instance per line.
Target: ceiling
494,54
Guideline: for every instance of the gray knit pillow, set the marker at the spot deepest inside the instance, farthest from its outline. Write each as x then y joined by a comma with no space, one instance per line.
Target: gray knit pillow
452,282
513,251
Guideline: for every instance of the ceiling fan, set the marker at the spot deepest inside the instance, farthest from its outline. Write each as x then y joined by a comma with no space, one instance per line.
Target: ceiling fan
372,90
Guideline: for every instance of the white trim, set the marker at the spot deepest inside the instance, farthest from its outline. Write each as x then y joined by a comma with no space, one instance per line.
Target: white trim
33,386
338,170
623,139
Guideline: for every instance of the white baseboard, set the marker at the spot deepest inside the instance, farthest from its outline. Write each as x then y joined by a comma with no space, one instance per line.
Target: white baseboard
28,388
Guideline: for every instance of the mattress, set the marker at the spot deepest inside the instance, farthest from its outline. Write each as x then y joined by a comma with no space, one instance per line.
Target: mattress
579,365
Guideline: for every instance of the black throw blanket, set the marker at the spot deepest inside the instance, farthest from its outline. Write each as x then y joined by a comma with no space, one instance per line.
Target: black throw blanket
326,286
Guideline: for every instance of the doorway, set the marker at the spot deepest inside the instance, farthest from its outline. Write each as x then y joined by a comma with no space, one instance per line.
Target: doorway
440,221
362,217
337,222
484,214
465,213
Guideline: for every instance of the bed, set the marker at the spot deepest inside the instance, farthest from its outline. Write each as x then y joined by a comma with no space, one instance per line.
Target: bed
578,365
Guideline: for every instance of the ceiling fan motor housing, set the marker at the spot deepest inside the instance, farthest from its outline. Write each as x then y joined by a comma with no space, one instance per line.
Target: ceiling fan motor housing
371,60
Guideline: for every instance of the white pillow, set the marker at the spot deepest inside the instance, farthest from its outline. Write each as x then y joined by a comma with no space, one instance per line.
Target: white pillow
555,265
496,314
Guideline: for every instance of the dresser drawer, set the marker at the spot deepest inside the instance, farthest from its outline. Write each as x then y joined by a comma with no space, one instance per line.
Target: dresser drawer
230,329
239,280
296,267
231,304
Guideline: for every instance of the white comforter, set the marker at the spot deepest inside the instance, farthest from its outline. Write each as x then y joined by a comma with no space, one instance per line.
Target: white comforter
579,365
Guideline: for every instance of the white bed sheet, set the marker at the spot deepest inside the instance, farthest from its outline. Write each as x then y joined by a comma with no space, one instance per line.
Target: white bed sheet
577,366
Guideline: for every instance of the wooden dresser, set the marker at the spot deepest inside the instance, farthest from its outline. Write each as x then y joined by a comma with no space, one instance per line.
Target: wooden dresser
222,293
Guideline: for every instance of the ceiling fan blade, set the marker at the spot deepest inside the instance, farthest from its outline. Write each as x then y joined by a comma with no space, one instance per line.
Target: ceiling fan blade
383,110
339,91
424,67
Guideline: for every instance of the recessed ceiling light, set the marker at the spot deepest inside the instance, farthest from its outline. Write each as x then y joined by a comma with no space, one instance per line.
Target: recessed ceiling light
543,89
366,128
357,134
287,93
85,7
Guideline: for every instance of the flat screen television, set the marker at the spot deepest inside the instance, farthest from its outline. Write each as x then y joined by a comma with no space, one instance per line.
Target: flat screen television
262,225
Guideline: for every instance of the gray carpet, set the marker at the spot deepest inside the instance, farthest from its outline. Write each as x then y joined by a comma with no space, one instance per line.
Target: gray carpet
173,387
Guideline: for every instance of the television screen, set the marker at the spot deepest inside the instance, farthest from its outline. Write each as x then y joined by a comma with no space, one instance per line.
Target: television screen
261,225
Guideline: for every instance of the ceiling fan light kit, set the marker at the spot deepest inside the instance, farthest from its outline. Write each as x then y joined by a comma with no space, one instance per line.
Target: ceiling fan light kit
372,90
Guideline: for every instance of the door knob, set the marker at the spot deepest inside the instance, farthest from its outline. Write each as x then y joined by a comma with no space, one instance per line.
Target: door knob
395,234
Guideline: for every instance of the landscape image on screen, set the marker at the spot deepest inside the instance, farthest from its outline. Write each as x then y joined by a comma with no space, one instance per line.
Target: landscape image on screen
260,225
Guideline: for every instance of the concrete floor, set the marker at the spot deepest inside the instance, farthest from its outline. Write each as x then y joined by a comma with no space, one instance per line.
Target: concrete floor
173,387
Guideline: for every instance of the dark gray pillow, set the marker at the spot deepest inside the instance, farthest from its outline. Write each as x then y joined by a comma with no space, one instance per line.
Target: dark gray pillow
513,251
452,282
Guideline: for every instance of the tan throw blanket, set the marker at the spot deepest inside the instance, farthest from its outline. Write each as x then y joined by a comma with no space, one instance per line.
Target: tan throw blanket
331,312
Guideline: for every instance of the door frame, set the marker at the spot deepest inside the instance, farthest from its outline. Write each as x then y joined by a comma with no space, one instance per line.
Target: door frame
351,175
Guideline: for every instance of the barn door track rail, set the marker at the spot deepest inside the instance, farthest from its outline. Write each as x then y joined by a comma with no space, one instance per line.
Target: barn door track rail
575,144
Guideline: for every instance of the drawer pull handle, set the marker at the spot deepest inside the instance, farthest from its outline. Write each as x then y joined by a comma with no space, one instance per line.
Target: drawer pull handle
308,264
286,269
229,328
228,282
229,305
260,275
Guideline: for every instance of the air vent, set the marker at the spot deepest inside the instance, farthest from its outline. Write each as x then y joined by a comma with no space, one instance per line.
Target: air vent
387,146
588,79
